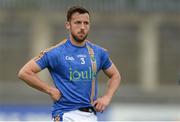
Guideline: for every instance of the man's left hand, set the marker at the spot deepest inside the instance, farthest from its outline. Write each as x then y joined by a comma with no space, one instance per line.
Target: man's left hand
101,103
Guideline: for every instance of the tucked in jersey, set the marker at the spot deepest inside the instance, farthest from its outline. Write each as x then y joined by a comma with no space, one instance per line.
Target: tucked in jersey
71,70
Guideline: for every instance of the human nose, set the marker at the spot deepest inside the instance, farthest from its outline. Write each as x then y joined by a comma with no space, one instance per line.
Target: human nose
82,26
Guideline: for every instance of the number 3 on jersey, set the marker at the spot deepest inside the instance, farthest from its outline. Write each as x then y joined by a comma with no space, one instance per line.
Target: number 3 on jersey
82,60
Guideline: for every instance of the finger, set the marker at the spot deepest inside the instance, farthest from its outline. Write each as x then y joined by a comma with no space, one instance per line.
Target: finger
98,107
57,97
58,94
94,103
103,108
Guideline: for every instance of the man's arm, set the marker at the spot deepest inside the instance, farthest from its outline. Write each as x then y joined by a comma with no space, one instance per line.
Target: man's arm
28,73
113,84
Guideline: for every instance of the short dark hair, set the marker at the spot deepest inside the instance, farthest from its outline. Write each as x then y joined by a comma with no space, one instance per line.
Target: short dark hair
75,9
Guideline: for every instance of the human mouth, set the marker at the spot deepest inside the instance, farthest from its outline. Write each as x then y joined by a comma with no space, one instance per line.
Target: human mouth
81,34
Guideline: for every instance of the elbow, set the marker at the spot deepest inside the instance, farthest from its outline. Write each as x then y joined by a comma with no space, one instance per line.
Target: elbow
118,77
25,73
21,74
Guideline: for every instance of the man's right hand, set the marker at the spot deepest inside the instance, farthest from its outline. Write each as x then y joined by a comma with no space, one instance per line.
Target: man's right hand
55,94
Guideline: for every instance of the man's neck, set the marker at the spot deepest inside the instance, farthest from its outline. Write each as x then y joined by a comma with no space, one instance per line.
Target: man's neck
79,44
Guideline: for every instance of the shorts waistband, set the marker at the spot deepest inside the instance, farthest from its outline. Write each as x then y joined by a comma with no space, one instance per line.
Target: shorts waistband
88,109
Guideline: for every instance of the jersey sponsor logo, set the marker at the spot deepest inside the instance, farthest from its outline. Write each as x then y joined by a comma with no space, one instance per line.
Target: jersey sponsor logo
70,58
75,75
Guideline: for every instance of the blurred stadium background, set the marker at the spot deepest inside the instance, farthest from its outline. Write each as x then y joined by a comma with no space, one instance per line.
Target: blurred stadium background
142,36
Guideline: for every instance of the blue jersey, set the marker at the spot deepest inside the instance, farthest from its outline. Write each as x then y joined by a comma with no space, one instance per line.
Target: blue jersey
71,70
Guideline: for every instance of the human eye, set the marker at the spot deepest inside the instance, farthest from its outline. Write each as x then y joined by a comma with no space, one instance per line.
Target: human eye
77,22
86,23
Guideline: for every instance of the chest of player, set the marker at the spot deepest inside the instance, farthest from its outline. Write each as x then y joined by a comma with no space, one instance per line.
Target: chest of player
76,64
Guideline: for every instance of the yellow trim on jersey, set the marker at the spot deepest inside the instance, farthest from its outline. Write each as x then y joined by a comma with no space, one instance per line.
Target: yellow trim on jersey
94,69
48,49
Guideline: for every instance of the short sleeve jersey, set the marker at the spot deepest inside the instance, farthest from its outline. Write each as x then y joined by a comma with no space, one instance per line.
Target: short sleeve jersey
71,70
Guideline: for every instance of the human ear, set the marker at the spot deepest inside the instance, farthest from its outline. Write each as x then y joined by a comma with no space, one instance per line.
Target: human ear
67,25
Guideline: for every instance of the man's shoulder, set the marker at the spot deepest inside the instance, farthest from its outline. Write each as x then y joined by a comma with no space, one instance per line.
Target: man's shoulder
97,47
56,47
